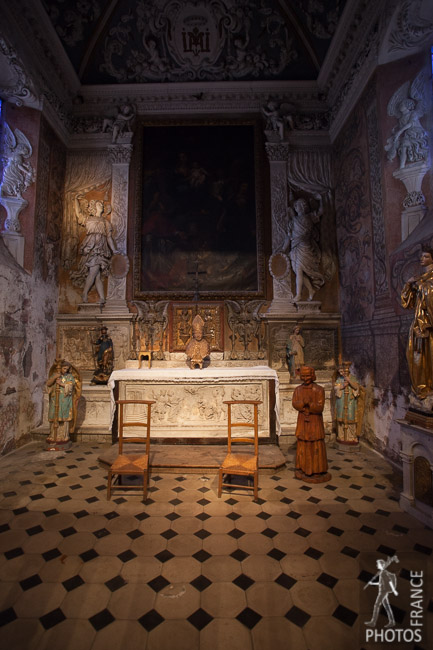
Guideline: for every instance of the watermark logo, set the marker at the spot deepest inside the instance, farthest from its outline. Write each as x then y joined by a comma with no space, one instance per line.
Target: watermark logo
386,583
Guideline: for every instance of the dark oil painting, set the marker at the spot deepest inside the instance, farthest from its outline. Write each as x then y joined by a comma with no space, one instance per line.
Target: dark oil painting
198,220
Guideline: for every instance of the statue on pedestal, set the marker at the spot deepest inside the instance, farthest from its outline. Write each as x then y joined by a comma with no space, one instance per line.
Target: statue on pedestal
417,294
104,358
309,400
295,352
96,248
197,349
64,388
349,405
303,249
409,140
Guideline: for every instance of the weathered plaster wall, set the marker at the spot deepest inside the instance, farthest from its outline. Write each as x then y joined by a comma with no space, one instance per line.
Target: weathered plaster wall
373,261
29,296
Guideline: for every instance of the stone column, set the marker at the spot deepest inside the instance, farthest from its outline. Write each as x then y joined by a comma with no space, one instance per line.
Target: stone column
120,156
282,301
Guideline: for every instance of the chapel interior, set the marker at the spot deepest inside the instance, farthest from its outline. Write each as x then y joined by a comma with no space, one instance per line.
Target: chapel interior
197,199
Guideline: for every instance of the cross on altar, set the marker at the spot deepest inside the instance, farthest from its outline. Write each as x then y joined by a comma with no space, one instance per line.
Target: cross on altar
196,273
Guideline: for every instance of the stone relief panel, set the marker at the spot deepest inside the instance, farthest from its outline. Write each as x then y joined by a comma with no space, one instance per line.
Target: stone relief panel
75,345
353,222
195,410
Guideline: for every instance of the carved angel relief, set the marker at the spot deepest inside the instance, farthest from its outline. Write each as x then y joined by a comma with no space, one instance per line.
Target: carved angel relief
151,324
18,173
244,321
409,140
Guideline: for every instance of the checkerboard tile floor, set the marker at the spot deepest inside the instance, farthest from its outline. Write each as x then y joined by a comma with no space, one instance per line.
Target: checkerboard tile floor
189,570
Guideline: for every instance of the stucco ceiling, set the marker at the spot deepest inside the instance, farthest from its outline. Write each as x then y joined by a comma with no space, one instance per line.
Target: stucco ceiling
141,41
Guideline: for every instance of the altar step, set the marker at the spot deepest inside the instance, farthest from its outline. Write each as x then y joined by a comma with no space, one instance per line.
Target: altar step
196,458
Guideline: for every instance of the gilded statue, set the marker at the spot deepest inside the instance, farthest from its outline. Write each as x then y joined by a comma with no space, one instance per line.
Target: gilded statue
197,348
417,294
104,357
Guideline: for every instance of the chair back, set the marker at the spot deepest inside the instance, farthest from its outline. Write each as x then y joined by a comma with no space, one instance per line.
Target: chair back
134,413
254,439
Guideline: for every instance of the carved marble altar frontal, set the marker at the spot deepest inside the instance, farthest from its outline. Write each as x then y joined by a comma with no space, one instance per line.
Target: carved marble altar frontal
190,403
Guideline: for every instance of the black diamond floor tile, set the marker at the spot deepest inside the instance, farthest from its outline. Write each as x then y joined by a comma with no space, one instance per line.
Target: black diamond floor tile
201,556
351,552
298,616
51,554
420,548
164,556
200,583
91,554
249,618
385,550
243,581
276,554
202,534
303,532
13,553
102,532
333,530
345,615
52,618
66,532
29,583
127,556
158,583
327,580
233,516
269,532
168,534
111,515
313,552
353,513
239,555
200,618
51,512
285,581
294,515
142,516
115,583
7,616
368,530
35,530
172,516
101,619
236,533
135,534
261,515
73,583
203,516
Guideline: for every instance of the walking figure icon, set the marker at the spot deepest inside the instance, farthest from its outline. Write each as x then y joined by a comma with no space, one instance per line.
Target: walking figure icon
386,583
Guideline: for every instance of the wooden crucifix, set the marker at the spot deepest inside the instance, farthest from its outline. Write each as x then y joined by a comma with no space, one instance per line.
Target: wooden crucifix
196,273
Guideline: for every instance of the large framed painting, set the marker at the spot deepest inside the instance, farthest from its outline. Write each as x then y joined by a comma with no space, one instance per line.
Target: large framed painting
199,217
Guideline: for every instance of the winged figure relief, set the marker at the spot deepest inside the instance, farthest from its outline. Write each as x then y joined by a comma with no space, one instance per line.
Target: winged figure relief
152,322
409,140
244,321
18,174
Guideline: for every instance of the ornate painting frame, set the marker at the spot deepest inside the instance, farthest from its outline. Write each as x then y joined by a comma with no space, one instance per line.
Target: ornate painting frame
199,215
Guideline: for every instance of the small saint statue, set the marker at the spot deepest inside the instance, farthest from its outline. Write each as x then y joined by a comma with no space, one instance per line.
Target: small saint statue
311,463
104,358
197,348
349,405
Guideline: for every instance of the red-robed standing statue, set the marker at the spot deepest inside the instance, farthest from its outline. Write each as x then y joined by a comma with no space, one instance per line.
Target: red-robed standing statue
309,399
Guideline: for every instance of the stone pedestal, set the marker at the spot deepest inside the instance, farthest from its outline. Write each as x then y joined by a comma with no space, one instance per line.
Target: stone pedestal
412,176
15,243
417,445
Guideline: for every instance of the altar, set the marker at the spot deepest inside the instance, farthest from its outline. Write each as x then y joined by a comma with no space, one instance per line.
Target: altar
190,403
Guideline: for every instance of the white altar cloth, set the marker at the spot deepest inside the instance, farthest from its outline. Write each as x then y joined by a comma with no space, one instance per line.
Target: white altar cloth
206,376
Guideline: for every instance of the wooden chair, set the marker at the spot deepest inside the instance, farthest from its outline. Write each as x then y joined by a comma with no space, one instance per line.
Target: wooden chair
131,464
241,463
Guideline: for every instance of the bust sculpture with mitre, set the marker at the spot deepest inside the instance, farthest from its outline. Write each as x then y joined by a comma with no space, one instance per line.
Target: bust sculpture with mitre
197,348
